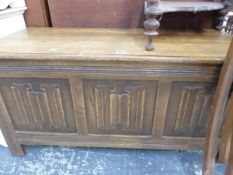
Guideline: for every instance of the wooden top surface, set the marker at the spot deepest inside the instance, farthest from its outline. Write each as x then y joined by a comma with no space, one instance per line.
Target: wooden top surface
209,46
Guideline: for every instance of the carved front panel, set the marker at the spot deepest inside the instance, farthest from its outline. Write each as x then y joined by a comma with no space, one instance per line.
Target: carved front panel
39,104
120,107
188,108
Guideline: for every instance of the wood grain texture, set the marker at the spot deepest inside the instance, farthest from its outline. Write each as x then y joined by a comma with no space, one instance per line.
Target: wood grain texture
226,134
76,86
118,141
40,105
216,113
109,92
188,116
164,90
119,107
115,45
229,163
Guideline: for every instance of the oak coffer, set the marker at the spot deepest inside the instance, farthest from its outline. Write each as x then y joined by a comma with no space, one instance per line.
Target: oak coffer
100,88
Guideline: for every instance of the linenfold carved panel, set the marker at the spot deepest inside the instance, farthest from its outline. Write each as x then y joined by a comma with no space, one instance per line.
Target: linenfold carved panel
39,104
120,107
188,117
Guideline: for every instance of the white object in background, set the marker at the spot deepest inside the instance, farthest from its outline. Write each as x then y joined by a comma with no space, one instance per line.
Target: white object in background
4,4
17,3
2,140
11,20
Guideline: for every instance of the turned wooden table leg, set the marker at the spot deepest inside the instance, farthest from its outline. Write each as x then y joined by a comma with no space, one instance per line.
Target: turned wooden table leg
216,113
151,24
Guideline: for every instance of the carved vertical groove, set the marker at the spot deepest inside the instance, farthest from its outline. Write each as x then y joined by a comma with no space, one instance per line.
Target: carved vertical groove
106,109
125,108
182,109
30,99
20,104
161,107
191,110
35,106
59,106
140,109
103,106
47,110
196,110
137,107
206,104
133,107
190,120
99,103
32,112
120,106
33,99
77,91
115,109
39,107
119,109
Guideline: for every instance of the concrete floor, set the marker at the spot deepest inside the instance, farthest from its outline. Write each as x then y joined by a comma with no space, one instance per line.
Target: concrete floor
45,160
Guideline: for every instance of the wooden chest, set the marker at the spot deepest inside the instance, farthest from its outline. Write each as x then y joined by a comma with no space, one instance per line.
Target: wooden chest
99,87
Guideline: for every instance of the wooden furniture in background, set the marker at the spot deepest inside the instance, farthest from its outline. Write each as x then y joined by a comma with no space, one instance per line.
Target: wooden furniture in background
97,13
229,163
78,90
37,14
155,8
228,131
226,134
120,14
123,14
216,114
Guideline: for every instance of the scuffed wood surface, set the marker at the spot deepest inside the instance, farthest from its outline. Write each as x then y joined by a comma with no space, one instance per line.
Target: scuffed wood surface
209,46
